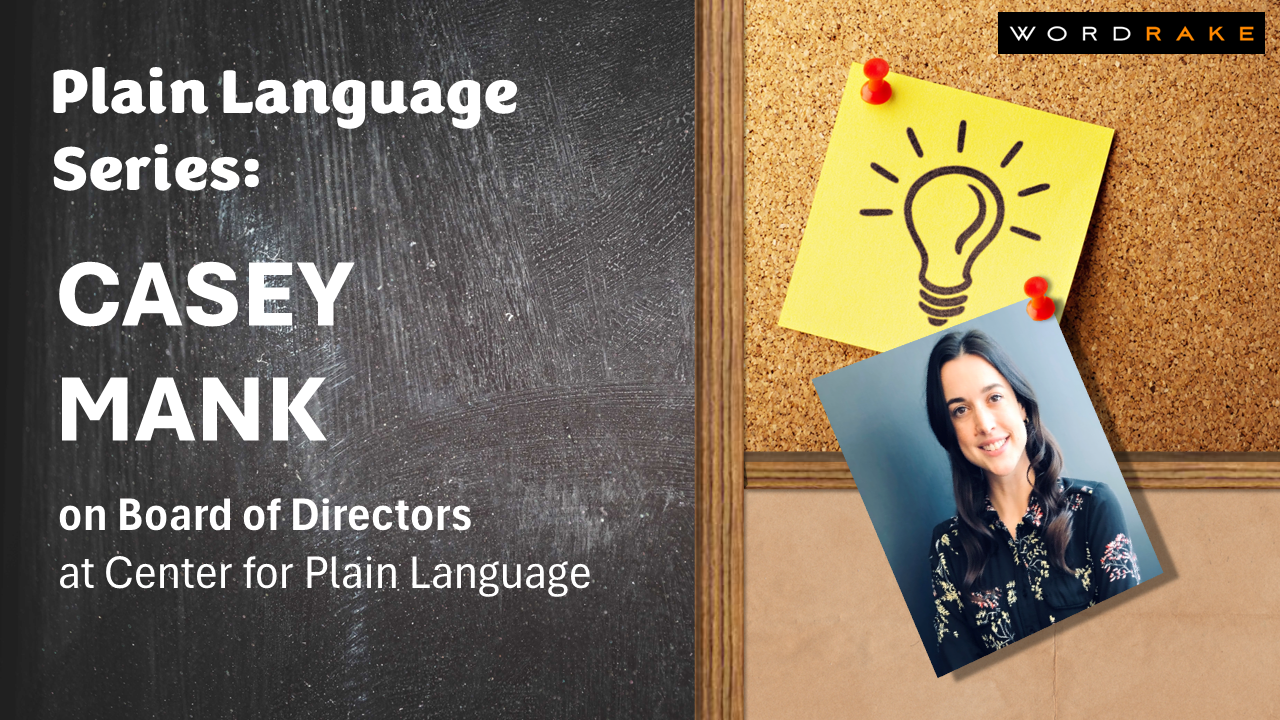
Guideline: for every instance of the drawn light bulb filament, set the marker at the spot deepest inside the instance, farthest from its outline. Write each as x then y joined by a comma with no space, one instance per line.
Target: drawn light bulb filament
977,223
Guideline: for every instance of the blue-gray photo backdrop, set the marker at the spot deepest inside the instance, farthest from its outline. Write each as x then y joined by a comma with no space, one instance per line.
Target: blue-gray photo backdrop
877,410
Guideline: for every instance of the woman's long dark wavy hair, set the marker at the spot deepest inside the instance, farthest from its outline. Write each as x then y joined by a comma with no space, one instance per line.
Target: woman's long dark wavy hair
969,482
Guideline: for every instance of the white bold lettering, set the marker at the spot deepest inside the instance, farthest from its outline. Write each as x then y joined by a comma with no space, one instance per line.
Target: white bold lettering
113,395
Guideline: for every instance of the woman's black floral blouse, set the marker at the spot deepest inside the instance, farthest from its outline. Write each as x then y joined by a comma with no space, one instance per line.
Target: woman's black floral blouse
1020,592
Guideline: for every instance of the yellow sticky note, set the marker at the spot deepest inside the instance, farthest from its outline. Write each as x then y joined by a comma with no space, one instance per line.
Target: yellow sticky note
935,208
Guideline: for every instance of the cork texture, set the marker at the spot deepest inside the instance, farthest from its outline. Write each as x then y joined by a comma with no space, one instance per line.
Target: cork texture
1171,318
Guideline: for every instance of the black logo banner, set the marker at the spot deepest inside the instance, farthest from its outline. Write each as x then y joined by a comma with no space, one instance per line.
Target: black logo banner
1133,33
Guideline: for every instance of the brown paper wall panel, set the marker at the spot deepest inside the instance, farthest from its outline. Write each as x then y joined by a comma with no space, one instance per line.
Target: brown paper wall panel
1171,318
1199,679
827,631
829,636
1207,643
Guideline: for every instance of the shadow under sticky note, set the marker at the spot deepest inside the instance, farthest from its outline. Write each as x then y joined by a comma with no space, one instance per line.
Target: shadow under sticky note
935,207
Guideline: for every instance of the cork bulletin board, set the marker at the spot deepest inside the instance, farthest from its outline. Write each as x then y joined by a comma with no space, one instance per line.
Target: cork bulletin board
1171,315
1169,322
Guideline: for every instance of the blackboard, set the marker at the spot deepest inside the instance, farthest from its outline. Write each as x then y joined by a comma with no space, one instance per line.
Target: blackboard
515,336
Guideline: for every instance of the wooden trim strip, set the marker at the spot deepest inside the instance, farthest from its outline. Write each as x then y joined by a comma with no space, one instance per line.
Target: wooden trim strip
1141,470
718,595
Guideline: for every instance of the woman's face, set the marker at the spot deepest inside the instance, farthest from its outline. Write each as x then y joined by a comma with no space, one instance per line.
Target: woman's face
987,417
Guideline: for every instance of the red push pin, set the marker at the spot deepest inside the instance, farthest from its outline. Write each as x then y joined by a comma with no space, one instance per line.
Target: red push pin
1040,307
876,90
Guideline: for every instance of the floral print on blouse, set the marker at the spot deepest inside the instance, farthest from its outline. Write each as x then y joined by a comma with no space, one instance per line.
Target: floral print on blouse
1020,592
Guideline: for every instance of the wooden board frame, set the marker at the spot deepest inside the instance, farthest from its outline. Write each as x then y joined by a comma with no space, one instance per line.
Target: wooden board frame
719,396
723,469
1152,471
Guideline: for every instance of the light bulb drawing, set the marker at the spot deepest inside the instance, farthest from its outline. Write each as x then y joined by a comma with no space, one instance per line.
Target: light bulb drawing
942,301
952,214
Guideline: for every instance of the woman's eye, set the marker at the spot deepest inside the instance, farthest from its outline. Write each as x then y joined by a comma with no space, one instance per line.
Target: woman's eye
959,411
996,398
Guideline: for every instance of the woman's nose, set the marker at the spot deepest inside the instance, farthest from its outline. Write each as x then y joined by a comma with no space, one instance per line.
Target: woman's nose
984,420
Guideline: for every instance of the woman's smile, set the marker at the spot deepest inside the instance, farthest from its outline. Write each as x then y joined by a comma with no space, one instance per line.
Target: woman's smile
995,448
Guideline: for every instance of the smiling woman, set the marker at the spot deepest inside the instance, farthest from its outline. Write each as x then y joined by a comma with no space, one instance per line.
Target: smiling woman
1027,547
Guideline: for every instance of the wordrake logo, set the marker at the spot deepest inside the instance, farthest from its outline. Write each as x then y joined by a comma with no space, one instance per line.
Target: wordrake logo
1132,33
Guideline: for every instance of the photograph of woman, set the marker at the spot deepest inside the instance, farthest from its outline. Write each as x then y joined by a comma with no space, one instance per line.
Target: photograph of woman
990,481
1027,547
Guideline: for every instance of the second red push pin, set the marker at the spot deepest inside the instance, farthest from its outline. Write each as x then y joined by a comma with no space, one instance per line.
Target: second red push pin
876,89
1040,307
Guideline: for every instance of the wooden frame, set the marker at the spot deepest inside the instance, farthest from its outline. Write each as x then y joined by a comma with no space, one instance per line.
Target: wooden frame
723,469
1152,471
718,611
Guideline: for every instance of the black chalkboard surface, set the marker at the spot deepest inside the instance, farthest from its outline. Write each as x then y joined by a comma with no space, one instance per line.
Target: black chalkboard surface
514,338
